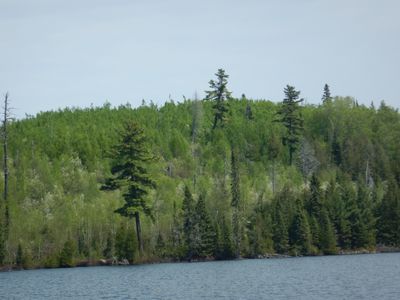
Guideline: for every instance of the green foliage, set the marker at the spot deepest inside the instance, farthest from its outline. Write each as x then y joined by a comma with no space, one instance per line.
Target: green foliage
219,94
125,243
299,232
59,159
204,230
189,223
130,174
68,254
19,259
2,247
108,251
389,216
291,118
326,97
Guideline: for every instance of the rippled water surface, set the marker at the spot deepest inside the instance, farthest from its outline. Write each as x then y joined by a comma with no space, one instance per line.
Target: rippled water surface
331,277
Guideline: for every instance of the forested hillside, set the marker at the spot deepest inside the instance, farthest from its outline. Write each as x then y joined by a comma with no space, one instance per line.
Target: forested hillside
237,184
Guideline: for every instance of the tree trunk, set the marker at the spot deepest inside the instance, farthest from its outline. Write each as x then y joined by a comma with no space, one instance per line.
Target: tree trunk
139,232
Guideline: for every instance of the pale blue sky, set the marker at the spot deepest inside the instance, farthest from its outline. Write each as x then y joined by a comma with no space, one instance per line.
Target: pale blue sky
73,53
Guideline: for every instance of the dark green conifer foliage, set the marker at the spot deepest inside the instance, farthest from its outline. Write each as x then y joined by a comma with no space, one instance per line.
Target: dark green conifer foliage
299,232
109,249
367,233
314,205
131,155
20,256
176,233
160,246
389,216
280,228
235,190
130,246
120,242
249,112
228,251
2,246
67,254
189,223
125,244
205,231
336,150
326,97
328,236
291,118
219,94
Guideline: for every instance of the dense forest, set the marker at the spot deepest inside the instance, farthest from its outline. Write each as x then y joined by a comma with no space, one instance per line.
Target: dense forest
217,178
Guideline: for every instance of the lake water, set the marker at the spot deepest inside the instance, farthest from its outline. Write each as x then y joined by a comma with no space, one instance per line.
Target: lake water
375,276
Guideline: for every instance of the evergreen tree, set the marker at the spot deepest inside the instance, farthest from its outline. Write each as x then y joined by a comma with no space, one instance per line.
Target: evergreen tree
129,174
367,232
235,190
280,228
219,94
249,112
389,216
68,254
225,249
326,97
189,223
328,236
314,205
120,242
291,118
19,258
205,229
299,232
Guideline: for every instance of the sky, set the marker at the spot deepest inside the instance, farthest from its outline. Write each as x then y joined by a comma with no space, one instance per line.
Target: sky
56,54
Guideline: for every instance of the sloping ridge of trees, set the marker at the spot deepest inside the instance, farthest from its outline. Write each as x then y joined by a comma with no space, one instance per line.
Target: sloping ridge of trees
217,178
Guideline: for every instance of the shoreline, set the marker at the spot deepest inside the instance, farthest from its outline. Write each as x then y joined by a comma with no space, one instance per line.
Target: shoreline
112,262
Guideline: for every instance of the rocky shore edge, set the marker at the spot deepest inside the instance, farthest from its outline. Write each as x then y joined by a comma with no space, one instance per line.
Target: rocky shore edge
125,262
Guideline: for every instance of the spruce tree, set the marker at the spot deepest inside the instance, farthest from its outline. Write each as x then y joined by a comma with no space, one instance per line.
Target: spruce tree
205,229
328,236
280,228
291,118
130,175
389,216
67,254
189,223
326,97
19,256
219,94
299,231
228,251
314,205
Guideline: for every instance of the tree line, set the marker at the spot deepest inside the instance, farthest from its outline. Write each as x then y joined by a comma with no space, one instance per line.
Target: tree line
217,178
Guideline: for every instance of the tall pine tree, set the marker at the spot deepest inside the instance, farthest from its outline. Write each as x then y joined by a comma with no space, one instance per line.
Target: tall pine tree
219,94
291,118
129,174
326,96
